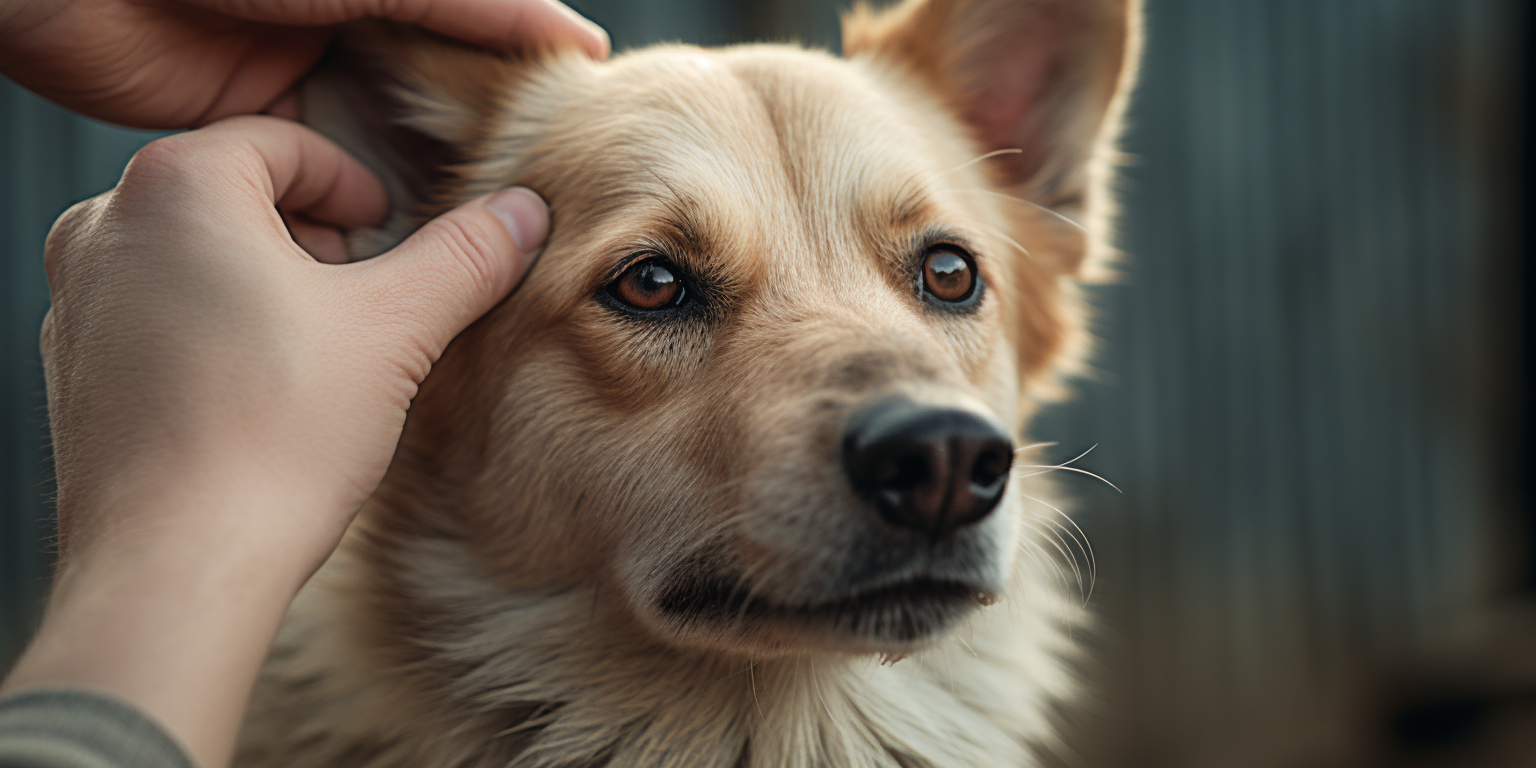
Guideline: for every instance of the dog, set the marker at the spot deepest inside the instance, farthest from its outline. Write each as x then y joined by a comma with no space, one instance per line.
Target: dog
749,433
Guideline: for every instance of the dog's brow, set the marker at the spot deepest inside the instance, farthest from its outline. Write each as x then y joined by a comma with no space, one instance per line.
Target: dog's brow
685,227
888,215
681,224
900,205
907,209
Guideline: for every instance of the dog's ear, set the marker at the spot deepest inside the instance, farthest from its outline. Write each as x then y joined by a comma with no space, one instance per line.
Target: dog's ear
407,104
1043,80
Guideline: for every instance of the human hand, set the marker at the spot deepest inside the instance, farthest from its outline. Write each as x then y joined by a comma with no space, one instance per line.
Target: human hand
192,340
184,63
222,403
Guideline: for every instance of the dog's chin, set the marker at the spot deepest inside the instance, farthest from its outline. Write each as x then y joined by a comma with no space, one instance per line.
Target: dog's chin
893,618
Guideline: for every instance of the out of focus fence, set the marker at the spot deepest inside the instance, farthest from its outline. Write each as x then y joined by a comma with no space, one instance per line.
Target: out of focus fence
1309,383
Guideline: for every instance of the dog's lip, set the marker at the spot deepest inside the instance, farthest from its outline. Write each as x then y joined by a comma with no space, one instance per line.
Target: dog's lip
729,599
920,589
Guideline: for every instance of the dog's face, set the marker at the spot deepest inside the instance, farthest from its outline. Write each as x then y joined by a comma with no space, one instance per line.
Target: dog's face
763,389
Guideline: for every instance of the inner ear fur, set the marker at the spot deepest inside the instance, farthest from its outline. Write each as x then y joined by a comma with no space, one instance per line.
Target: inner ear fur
409,105
1041,82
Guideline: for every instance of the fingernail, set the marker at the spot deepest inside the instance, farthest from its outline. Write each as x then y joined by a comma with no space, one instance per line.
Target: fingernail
598,35
523,213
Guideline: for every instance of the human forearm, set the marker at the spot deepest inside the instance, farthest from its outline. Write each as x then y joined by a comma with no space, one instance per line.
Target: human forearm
175,622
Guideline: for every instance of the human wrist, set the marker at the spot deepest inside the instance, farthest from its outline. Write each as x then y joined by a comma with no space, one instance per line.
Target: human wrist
197,503
175,622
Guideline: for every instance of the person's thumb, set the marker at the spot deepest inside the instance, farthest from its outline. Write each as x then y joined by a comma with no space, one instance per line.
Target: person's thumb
458,265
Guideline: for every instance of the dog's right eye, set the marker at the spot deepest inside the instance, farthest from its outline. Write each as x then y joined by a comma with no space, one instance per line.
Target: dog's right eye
649,285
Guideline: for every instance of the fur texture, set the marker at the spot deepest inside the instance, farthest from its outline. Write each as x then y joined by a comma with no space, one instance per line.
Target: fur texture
613,538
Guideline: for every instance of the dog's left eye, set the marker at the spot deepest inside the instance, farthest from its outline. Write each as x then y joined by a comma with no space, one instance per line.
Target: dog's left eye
948,274
649,285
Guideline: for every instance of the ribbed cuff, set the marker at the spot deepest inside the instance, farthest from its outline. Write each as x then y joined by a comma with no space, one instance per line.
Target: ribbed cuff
70,728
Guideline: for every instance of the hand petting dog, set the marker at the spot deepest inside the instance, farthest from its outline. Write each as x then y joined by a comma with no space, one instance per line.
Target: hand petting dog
186,63
221,402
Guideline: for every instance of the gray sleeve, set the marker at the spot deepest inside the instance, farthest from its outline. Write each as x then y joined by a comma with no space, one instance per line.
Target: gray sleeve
66,728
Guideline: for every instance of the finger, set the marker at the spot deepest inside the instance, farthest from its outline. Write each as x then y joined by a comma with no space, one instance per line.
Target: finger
324,243
300,171
261,65
497,24
458,266
505,24
286,105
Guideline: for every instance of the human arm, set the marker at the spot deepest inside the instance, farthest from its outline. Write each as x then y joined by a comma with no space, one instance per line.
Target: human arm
222,403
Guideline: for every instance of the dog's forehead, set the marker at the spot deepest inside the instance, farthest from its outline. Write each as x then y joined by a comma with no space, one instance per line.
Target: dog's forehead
799,143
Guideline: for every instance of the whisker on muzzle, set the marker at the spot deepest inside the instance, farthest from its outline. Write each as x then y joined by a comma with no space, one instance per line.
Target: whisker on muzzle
1064,466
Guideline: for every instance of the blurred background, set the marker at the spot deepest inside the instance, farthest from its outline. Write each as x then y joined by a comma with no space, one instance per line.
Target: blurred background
1311,387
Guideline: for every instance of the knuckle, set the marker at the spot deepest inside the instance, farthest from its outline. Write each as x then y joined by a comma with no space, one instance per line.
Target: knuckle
162,158
71,226
169,162
469,245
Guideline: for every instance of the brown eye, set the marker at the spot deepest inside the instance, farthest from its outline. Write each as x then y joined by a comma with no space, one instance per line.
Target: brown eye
948,276
651,284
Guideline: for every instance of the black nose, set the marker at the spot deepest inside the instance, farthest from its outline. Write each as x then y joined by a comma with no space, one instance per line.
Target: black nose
925,468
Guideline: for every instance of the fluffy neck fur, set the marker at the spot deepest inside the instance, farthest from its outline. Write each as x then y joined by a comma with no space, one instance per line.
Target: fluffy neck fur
402,654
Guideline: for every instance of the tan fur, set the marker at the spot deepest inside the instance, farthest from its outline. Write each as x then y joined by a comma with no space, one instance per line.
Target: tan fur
496,603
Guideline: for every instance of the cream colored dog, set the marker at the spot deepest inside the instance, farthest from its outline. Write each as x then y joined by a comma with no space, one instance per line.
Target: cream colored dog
749,427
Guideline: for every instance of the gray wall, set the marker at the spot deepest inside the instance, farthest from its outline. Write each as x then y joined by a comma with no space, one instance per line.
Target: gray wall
1305,386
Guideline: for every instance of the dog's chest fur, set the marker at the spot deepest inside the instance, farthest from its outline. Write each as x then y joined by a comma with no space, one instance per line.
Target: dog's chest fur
431,664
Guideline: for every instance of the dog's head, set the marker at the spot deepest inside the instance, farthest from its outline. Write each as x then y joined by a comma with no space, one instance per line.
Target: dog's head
764,387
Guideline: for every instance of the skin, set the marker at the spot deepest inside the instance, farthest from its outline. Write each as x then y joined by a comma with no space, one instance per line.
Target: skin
181,64
221,401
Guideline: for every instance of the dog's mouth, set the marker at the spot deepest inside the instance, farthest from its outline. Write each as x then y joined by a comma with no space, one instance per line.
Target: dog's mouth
905,612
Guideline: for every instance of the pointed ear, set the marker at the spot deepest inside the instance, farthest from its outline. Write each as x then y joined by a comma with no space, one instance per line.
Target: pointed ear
1046,78
407,104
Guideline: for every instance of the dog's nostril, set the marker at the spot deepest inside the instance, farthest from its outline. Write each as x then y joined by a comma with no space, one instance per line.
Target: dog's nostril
931,469
992,466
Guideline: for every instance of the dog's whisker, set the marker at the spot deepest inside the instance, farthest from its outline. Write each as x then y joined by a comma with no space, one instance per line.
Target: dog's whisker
1004,236
1081,538
754,585
1045,562
1051,468
746,581
1048,564
1074,459
998,193
1065,465
968,646
1067,556
1055,542
752,676
950,662
985,157
1032,205
816,686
